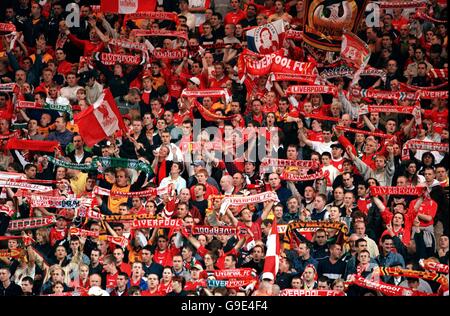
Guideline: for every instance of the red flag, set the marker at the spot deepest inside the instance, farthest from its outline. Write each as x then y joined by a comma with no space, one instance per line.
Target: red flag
127,6
272,261
355,53
100,120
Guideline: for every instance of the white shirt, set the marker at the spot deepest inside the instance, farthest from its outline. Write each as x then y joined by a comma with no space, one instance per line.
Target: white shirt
322,147
179,183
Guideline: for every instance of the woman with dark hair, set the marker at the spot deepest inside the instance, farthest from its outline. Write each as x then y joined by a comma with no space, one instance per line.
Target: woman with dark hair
411,174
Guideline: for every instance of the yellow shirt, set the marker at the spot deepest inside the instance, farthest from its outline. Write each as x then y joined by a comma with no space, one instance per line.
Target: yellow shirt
78,183
114,202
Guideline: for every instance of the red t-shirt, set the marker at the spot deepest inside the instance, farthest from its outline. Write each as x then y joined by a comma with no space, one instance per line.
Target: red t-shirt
125,267
234,17
163,258
428,207
111,280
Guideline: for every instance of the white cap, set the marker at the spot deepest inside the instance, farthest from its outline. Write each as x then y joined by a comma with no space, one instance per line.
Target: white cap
195,81
267,275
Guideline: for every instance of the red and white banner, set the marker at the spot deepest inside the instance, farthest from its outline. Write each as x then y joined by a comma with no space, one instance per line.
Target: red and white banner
201,93
249,199
399,95
7,210
112,59
169,53
307,164
260,65
83,232
243,273
24,185
355,53
217,230
436,73
154,15
117,240
400,4
358,131
431,265
150,192
99,121
293,177
295,35
381,190
7,87
53,201
311,89
157,223
165,33
128,44
30,223
299,292
272,260
422,145
127,6
13,134
7,27
387,289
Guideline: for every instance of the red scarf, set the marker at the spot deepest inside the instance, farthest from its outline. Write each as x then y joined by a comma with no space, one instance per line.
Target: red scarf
32,145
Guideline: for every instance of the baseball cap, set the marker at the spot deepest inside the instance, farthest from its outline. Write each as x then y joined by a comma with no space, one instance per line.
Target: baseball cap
197,163
197,267
337,145
126,117
267,276
195,81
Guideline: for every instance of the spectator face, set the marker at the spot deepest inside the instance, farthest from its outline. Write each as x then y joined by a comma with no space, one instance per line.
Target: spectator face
360,229
319,203
443,242
4,275
177,262
26,286
336,251
95,280
274,181
57,275
95,255
418,54
364,258
335,213
296,283
387,245
429,176
118,255
152,281
308,275
323,285
137,269
293,205
162,244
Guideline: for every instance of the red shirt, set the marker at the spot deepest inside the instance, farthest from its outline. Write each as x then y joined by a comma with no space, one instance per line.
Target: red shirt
163,258
255,229
125,267
439,119
64,68
87,46
217,83
338,164
234,17
428,207
111,280
210,189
